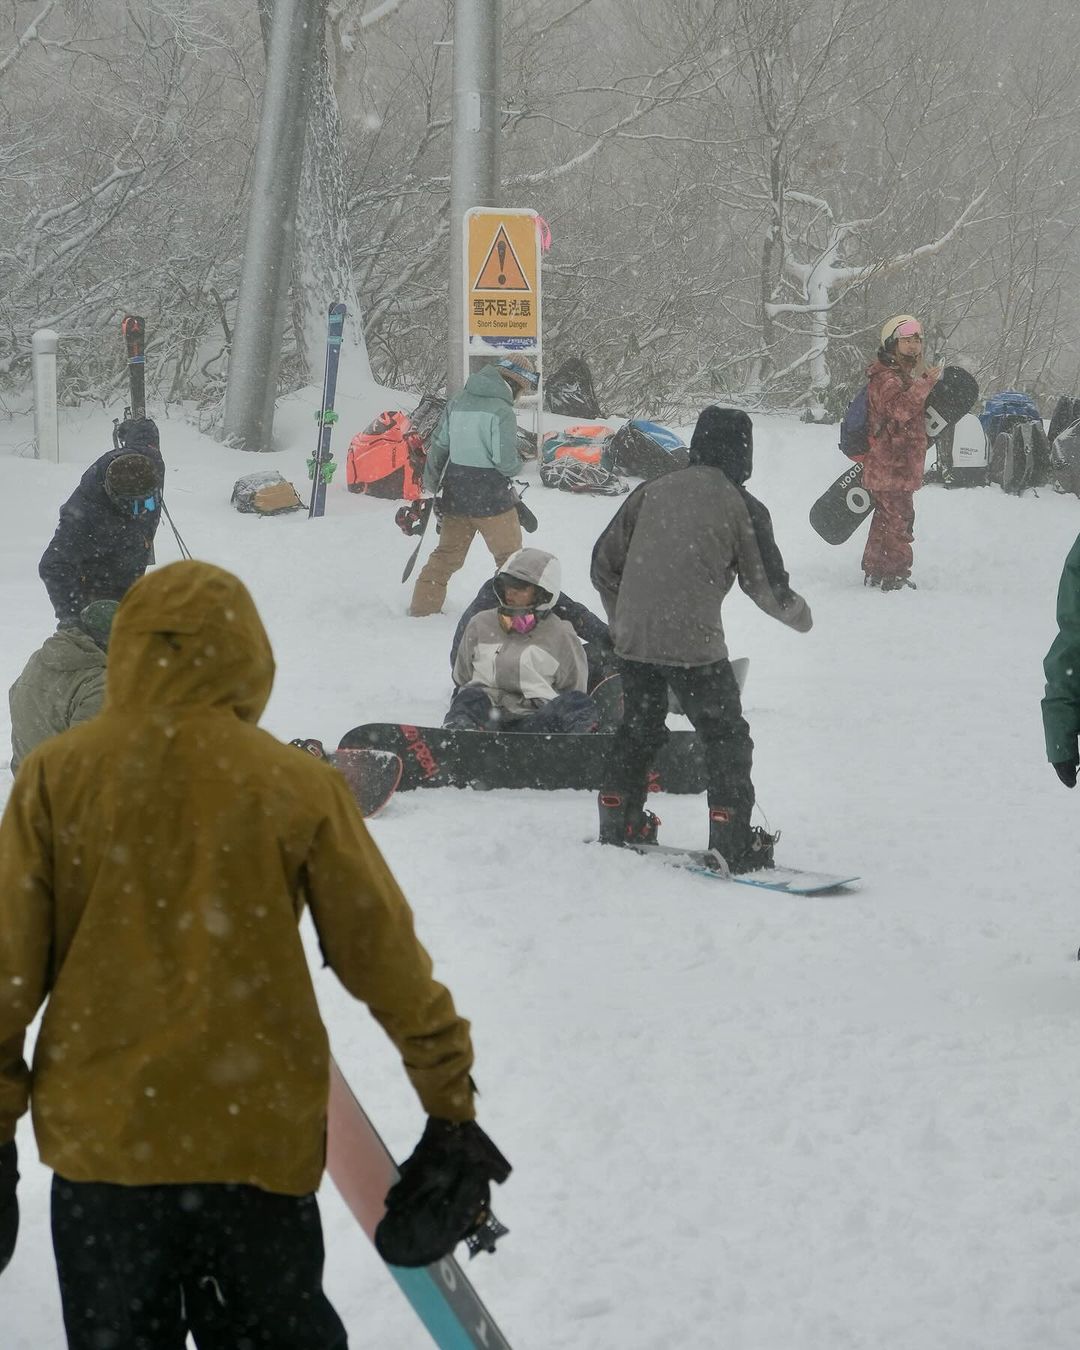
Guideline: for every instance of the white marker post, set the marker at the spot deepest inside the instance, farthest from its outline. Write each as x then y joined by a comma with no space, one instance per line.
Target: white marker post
46,424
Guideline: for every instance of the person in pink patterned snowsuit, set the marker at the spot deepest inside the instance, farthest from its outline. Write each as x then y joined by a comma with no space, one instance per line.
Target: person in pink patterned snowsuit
899,383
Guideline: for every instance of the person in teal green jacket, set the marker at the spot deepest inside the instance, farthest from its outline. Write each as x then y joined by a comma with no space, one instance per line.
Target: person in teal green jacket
471,463
1061,706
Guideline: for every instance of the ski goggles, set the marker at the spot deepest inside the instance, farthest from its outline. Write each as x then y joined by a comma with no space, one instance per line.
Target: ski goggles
910,328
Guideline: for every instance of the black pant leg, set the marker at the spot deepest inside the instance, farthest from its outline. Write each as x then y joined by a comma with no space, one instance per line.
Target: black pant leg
640,736
118,1250
471,710
710,699
254,1277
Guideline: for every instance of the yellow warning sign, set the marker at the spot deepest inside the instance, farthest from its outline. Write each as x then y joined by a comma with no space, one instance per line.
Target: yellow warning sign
501,270
502,274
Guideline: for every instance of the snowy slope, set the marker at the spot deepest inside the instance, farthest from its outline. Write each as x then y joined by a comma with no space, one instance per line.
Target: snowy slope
736,1120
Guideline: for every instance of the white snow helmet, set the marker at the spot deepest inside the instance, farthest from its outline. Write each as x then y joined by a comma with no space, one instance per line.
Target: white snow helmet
888,331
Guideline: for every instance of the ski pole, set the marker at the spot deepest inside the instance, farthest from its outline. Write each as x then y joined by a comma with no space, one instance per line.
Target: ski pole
184,552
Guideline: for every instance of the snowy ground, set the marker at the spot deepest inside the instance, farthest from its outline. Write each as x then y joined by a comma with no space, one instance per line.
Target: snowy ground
737,1120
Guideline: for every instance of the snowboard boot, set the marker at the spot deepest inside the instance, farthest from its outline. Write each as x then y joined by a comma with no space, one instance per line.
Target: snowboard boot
742,849
641,827
869,579
758,853
897,584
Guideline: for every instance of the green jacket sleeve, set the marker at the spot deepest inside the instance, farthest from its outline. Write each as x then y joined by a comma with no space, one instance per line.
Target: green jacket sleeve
1061,705
507,459
438,454
87,697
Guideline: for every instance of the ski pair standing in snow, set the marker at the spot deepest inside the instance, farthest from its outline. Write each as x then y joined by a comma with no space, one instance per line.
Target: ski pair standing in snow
898,385
663,568
472,459
154,866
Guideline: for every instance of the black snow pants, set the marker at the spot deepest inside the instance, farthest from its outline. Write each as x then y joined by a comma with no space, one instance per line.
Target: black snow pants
709,696
238,1268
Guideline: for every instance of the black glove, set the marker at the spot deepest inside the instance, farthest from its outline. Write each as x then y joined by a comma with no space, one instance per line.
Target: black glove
1066,771
443,1195
9,1205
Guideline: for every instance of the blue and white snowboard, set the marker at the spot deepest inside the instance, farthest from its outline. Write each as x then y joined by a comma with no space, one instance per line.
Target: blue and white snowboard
787,880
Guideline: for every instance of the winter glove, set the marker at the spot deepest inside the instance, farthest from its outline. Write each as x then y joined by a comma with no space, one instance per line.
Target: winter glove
1066,771
9,1205
443,1195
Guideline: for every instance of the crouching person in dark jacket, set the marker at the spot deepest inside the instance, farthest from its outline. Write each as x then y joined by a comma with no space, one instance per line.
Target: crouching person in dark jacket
518,667
663,567
104,540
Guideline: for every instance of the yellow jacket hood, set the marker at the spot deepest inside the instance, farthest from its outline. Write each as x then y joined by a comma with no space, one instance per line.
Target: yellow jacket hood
189,634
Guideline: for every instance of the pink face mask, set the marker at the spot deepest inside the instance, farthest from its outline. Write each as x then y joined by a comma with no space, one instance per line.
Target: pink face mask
518,623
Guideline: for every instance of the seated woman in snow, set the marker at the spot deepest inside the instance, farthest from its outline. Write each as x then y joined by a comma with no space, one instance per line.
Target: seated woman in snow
518,667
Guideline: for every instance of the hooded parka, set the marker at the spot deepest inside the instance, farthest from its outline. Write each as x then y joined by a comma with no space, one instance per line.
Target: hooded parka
520,672
154,864
98,549
61,685
673,551
474,449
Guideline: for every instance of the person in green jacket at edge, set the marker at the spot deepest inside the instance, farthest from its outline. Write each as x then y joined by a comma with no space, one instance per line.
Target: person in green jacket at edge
472,460
1061,705
63,683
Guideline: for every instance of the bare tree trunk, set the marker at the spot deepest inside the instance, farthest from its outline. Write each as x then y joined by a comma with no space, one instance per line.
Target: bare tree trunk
323,271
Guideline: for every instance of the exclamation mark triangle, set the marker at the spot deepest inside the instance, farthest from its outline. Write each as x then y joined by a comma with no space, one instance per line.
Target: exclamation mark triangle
501,270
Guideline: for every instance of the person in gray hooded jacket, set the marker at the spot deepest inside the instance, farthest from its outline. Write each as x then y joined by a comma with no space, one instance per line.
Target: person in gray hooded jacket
63,683
663,567
518,667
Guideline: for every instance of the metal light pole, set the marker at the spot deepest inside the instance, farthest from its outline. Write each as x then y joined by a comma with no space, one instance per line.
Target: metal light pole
264,283
474,157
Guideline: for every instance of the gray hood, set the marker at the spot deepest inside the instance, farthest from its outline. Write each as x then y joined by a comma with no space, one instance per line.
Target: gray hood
535,566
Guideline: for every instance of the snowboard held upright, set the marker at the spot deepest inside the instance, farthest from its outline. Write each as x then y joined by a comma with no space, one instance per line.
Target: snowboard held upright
362,1169
845,504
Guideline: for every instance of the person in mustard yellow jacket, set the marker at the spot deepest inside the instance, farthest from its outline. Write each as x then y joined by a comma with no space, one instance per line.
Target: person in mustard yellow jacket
154,865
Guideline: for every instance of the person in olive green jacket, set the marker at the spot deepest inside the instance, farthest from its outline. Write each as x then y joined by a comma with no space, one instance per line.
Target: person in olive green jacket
1061,705
63,683
154,865
472,460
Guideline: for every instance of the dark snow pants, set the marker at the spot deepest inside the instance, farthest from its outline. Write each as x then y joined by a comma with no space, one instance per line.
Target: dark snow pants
888,551
238,1268
709,696
472,710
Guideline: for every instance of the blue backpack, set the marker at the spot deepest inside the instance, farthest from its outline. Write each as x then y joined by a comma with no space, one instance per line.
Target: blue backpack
854,429
1003,411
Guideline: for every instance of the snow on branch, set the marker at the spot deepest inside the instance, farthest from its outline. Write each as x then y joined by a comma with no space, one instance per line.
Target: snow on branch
28,37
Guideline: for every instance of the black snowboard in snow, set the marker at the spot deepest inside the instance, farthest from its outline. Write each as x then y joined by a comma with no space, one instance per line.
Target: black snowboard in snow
444,757
372,775
845,504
